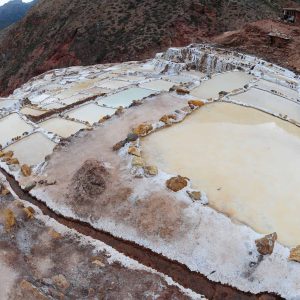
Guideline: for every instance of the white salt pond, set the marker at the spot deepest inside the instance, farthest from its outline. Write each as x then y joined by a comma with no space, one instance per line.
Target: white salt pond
269,102
222,82
90,113
7,103
114,84
32,149
271,86
245,160
158,85
125,98
11,127
61,127
32,111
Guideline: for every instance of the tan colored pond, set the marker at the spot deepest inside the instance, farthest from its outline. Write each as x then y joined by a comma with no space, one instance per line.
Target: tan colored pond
222,82
62,127
245,160
90,113
32,111
33,149
11,127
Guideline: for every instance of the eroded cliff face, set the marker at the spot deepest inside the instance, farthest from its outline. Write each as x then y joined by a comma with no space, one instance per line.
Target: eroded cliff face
61,33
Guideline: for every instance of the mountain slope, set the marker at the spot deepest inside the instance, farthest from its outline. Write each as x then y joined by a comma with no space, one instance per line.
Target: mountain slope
59,33
13,11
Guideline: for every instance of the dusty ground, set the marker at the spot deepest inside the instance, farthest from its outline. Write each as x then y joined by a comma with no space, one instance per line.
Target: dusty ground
116,197
40,261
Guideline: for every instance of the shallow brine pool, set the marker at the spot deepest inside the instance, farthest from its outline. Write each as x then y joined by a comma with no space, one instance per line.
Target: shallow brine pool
33,149
222,82
125,98
245,160
61,127
11,127
90,113
269,102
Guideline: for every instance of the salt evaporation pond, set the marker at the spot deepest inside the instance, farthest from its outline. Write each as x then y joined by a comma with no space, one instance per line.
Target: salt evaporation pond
125,98
90,113
222,82
158,85
62,127
32,111
11,127
245,160
269,102
33,149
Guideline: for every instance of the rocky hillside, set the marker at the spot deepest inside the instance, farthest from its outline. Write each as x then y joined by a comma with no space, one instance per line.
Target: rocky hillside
254,38
59,33
13,11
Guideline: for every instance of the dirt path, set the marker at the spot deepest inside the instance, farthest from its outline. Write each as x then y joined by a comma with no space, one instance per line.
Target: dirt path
178,272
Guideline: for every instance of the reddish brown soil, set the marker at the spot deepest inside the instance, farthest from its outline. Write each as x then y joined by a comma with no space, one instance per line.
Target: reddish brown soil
178,272
253,39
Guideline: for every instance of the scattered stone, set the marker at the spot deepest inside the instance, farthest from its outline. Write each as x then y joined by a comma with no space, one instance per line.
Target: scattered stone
32,290
98,263
54,234
151,170
136,103
132,137
3,190
105,118
195,103
60,281
134,151
119,145
295,254
119,111
167,119
143,129
8,154
13,161
266,244
194,195
26,170
10,219
29,186
222,93
137,162
176,183
182,91
29,211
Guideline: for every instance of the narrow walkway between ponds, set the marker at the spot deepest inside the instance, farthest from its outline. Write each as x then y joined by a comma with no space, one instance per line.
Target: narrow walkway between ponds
177,271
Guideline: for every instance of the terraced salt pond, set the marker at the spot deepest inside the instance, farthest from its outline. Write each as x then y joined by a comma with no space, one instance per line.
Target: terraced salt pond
62,127
222,82
12,126
125,98
90,113
32,149
269,102
158,85
245,160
